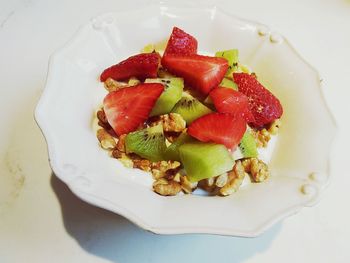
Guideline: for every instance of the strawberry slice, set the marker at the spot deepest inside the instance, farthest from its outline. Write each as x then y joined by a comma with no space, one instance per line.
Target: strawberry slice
231,101
264,106
181,43
140,66
220,128
200,72
128,108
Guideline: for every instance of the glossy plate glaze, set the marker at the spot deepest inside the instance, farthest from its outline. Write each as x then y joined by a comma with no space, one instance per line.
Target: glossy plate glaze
299,164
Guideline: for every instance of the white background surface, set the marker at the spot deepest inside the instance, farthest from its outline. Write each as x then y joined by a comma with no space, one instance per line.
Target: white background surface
41,220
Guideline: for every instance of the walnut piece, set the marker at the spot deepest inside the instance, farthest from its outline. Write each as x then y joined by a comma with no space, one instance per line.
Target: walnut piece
208,184
121,143
258,170
143,164
164,187
275,126
172,122
117,154
234,180
221,180
133,81
187,186
263,136
106,140
113,85
165,169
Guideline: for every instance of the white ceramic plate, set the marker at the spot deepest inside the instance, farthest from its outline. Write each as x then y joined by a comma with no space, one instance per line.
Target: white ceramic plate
299,163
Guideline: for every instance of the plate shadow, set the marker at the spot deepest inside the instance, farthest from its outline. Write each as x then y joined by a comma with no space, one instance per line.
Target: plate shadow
116,239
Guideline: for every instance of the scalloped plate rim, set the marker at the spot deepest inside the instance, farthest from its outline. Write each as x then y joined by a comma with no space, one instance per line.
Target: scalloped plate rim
100,202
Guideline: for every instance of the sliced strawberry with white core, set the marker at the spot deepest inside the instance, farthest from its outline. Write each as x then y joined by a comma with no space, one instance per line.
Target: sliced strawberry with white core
126,109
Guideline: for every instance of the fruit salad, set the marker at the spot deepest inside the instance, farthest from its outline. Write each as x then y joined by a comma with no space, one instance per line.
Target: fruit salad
185,117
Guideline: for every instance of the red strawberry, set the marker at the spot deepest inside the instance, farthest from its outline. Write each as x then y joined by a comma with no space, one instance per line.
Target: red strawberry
264,106
220,128
181,43
231,101
127,108
200,72
140,66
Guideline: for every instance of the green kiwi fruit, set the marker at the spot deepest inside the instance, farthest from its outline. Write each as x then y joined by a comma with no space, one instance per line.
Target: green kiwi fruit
172,152
171,95
248,145
190,108
232,57
205,160
227,83
148,143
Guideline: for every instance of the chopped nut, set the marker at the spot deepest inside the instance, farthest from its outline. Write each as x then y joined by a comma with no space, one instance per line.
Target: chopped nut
171,136
166,188
258,170
106,140
275,126
208,184
126,161
221,180
113,85
165,169
133,82
121,143
101,116
142,164
172,122
117,154
103,122
160,181
235,179
262,137
157,174
186,185
177,177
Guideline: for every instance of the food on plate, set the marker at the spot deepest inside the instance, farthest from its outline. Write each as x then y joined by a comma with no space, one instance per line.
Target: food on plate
190,108
140,66
191,120
264,106
126,110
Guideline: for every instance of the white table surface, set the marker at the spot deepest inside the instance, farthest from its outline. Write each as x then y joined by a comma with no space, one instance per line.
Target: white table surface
42,221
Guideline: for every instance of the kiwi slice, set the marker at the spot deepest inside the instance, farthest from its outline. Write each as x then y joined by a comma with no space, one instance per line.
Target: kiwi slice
156,47
232,57
227,83
148,143
190,108
248,145
172,152
205,160
171,95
